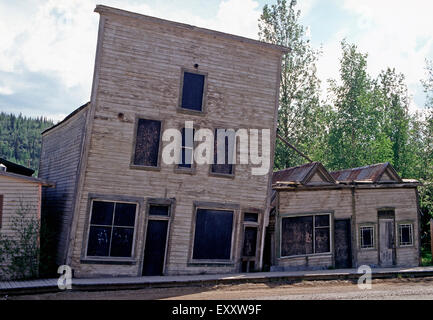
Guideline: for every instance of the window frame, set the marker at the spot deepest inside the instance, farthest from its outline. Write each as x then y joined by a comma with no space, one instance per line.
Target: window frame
179,107
405,223
360,237
112,258
132,165
235,208
313,214
132,260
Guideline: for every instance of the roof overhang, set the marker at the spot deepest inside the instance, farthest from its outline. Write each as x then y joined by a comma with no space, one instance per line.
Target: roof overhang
20,177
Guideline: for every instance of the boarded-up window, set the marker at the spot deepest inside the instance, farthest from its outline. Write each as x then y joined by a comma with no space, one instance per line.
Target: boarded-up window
405,234
213,234
226,167
192,91
296,236
187,148
305,235
1,209
367,237
111,229
147,143
250,242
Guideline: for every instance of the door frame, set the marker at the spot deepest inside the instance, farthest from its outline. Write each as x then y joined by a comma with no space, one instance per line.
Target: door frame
171,203
349,219
394,244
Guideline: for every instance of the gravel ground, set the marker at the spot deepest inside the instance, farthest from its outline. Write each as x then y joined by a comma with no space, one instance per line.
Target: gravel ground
390,289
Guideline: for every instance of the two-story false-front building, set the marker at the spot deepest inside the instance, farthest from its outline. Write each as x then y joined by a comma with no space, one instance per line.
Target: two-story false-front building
119,208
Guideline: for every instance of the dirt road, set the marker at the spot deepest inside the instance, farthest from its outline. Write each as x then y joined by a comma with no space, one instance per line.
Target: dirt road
390,289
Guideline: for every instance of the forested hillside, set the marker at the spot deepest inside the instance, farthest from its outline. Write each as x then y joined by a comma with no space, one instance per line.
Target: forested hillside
20,138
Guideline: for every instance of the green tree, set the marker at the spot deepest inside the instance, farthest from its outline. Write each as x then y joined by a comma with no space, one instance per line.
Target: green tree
299,114
20,138
355,135
395,119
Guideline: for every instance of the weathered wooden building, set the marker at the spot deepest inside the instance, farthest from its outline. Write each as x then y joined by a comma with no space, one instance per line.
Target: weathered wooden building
343,219
19,192
119,209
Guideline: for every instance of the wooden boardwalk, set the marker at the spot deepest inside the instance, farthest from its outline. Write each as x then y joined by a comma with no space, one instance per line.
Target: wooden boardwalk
117,283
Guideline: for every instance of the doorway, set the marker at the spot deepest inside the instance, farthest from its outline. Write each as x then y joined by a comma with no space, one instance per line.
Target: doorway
156,240
343,243
386,238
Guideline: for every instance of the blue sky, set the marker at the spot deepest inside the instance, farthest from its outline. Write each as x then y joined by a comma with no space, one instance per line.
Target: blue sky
48,46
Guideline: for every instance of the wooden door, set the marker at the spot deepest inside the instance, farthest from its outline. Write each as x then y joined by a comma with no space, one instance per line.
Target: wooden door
386,242
154,253
343,244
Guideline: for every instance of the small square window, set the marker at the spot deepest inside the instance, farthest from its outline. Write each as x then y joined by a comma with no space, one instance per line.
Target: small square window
405,234
192,91
367,237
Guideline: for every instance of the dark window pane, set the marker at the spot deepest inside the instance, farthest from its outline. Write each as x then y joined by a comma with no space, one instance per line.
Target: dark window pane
147,143
102,213
192,91
213,234
125,214
121,243
322,221
405,235
250,242
251,217
99,241
158,210
187,148
322,243
367,237
297,236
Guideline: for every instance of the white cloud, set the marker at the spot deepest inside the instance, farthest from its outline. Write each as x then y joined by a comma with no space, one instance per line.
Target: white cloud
5,90
394,34
58,37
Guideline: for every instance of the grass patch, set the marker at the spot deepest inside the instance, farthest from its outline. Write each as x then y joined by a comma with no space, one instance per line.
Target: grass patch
426,257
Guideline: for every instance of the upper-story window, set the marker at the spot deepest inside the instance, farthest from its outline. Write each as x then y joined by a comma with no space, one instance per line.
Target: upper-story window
225,165
187,148
193,88
147,143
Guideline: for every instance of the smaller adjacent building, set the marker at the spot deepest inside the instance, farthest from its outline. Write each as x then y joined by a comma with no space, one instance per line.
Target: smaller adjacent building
343,219
18,191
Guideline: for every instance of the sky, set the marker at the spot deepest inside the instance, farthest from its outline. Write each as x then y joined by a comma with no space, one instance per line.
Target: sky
47,47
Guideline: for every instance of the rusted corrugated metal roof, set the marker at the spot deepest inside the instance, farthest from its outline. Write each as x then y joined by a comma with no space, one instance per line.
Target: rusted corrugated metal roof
371,173
294,174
